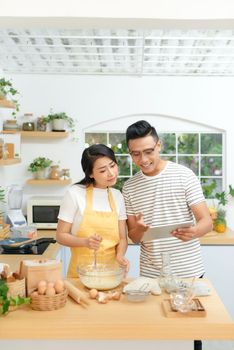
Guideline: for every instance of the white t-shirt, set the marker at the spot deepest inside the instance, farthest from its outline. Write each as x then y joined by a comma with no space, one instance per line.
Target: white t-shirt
74,203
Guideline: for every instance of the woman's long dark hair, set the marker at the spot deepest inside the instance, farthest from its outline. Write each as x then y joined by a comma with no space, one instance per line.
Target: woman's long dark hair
89,156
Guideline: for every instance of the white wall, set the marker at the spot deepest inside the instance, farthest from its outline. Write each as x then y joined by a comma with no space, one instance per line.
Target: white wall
96,99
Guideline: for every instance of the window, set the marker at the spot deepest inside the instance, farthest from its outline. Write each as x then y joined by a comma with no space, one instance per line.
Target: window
201,152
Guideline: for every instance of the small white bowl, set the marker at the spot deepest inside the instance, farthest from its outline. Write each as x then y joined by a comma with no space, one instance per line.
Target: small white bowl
137,296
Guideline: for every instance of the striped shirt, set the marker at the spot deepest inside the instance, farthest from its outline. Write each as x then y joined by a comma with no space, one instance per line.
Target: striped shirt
166,199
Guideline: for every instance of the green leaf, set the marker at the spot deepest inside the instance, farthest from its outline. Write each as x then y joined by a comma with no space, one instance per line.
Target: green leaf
3,289
231,191
222,198
18,300
5,306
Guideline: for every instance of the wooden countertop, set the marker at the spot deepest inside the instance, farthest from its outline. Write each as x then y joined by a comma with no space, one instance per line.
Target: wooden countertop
118,320
214,238
211,238
14,259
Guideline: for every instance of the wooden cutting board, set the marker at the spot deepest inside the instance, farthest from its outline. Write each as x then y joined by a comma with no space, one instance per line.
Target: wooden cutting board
171,312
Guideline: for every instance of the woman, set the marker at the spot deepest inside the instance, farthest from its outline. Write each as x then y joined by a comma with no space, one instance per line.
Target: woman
92,216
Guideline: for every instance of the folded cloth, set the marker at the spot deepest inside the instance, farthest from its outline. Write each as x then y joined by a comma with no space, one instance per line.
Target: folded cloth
144,283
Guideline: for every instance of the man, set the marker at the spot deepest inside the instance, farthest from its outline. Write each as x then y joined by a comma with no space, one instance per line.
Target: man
164,193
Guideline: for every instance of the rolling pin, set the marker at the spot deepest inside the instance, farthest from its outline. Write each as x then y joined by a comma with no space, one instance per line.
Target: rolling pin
76,294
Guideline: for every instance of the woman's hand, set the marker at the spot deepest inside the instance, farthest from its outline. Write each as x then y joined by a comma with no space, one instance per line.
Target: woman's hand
94,241
123,262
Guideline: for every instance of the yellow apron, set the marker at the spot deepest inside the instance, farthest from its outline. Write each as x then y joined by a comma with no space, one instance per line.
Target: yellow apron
102,223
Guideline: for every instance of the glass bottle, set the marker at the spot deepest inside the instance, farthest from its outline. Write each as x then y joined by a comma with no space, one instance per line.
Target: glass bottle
167,280
5,153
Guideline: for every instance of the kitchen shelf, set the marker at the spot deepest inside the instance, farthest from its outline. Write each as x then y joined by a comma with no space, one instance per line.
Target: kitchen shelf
6,104
38,134
9,161
46,182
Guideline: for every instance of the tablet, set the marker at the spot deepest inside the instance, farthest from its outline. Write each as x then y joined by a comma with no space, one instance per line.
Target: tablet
163,231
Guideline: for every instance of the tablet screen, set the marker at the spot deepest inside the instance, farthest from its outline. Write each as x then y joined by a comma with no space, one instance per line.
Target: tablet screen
163,231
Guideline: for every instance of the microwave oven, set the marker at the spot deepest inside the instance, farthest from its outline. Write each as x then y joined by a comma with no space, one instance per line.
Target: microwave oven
43,211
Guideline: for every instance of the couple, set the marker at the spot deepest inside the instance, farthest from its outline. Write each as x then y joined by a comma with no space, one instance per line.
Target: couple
92,216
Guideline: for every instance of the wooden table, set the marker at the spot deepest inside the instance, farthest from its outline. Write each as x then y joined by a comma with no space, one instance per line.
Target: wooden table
120,320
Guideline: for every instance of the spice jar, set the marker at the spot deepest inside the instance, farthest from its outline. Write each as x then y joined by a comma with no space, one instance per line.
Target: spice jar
54,172
28,125
41,125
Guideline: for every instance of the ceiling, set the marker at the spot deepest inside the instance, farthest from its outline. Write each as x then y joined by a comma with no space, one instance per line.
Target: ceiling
117,52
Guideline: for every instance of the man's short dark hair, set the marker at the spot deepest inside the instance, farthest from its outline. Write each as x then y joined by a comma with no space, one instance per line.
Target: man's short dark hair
140,129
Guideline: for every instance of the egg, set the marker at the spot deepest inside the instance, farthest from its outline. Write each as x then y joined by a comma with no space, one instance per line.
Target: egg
34,294
50,284
93,293
50,291
41,284
59,286
41,289
116,295
102,297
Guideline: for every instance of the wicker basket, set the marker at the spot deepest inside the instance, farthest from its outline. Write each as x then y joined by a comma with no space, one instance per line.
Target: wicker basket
47,303
16,288
4,231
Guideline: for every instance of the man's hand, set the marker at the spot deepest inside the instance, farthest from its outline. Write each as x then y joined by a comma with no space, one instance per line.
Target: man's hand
140,225
185,234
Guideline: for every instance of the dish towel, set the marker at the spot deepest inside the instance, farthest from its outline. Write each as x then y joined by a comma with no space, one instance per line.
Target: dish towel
144,283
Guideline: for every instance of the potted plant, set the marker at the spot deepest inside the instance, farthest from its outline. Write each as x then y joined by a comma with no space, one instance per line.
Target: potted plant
8,91
217,211
39,166
60,121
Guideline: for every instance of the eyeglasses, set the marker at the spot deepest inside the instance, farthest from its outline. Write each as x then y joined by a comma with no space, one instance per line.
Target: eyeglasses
147,152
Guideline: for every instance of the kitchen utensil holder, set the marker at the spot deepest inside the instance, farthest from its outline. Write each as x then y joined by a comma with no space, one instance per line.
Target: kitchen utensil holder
16,288
49,303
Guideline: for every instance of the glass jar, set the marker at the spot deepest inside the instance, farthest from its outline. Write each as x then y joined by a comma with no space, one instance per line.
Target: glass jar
28,124
54,172
41,125
5,153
